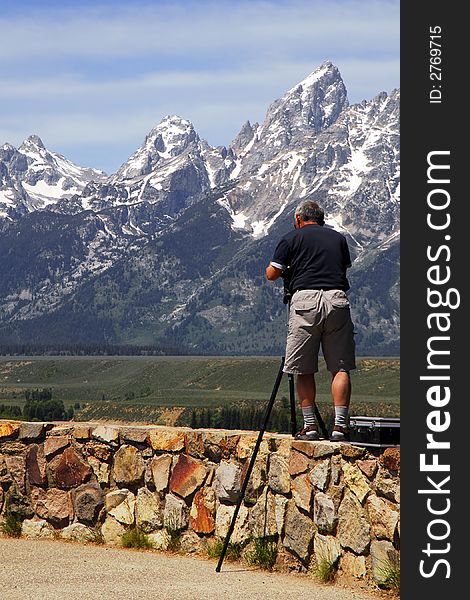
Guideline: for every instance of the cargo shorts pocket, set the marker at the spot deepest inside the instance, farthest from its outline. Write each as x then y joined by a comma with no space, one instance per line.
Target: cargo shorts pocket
306,312
339,300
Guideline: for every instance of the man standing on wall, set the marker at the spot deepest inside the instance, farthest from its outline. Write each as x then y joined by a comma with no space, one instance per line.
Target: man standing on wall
316,258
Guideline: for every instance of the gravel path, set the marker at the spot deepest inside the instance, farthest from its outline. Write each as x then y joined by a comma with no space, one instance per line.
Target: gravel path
49,570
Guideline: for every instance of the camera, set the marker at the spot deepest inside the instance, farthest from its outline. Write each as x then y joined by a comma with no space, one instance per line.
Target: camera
286,276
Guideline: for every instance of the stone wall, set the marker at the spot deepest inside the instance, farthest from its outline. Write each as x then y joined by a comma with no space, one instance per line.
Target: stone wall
318,499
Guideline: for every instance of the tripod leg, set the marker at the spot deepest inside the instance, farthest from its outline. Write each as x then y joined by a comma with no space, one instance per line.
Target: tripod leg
267,414
293,415
321,423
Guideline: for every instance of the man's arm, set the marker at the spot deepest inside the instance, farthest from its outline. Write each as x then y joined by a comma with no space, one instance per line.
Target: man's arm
272,272
279,261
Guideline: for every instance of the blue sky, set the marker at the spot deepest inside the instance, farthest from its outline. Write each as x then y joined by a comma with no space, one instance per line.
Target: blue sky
91,78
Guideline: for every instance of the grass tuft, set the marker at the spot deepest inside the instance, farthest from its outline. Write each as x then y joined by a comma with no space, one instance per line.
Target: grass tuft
325,569
234,550
135,537
264,552
173,530
95,535
11,525
389,572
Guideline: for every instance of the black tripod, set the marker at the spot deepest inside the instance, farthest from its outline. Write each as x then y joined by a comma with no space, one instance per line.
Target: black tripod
264,425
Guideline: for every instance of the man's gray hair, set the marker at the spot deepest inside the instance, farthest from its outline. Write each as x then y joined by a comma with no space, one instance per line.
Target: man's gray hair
310,211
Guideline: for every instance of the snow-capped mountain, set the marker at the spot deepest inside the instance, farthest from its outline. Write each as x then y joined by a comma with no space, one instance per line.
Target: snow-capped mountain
175,242
34,178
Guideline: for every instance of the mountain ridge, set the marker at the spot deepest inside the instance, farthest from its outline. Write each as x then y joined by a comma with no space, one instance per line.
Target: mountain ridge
201,215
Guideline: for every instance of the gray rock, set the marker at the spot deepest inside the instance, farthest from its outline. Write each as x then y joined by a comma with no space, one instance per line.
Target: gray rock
319,475
279,479
176,513
299,532
112,531
18,502
327,547
226,482
77,532
124,512
88,500
384,559
353,527
324,514
31,431
105,433
136,435
128,466
148,510
383,519
35,528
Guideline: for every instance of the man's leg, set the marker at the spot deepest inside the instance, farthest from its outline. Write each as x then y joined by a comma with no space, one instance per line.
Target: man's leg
341,392
341,388
306,392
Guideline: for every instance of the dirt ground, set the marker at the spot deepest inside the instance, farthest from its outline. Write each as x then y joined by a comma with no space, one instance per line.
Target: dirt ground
53,570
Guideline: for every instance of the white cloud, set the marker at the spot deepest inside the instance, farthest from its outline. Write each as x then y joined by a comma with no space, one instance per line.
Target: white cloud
97,76
206,27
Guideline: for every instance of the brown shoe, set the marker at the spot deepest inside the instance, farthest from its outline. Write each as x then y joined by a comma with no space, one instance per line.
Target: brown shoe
339,434
309,433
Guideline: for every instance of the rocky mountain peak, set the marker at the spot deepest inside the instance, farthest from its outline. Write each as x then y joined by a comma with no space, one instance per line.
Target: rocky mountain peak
167,140
172,135
33,142
312,105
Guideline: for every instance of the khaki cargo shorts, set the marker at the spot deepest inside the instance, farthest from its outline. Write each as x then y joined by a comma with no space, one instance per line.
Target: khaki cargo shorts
317,318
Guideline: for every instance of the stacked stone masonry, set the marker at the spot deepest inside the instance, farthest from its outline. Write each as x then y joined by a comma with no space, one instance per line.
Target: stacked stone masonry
317,499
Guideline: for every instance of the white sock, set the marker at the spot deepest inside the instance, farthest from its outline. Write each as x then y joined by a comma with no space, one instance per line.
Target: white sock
341,415
308,414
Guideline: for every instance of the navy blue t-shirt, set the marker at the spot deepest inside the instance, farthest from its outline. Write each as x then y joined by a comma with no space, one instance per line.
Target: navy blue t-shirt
318,257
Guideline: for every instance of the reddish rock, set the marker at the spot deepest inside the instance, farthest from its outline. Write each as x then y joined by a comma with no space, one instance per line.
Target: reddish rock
202,515
298,463
59,507
194,444
307,448
68,470
368,467
8,430
4,474
88,500
188,474
350,451
16,466
128,465
169,440
391,459
38,501
53,444
36,465
160,468
98,450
